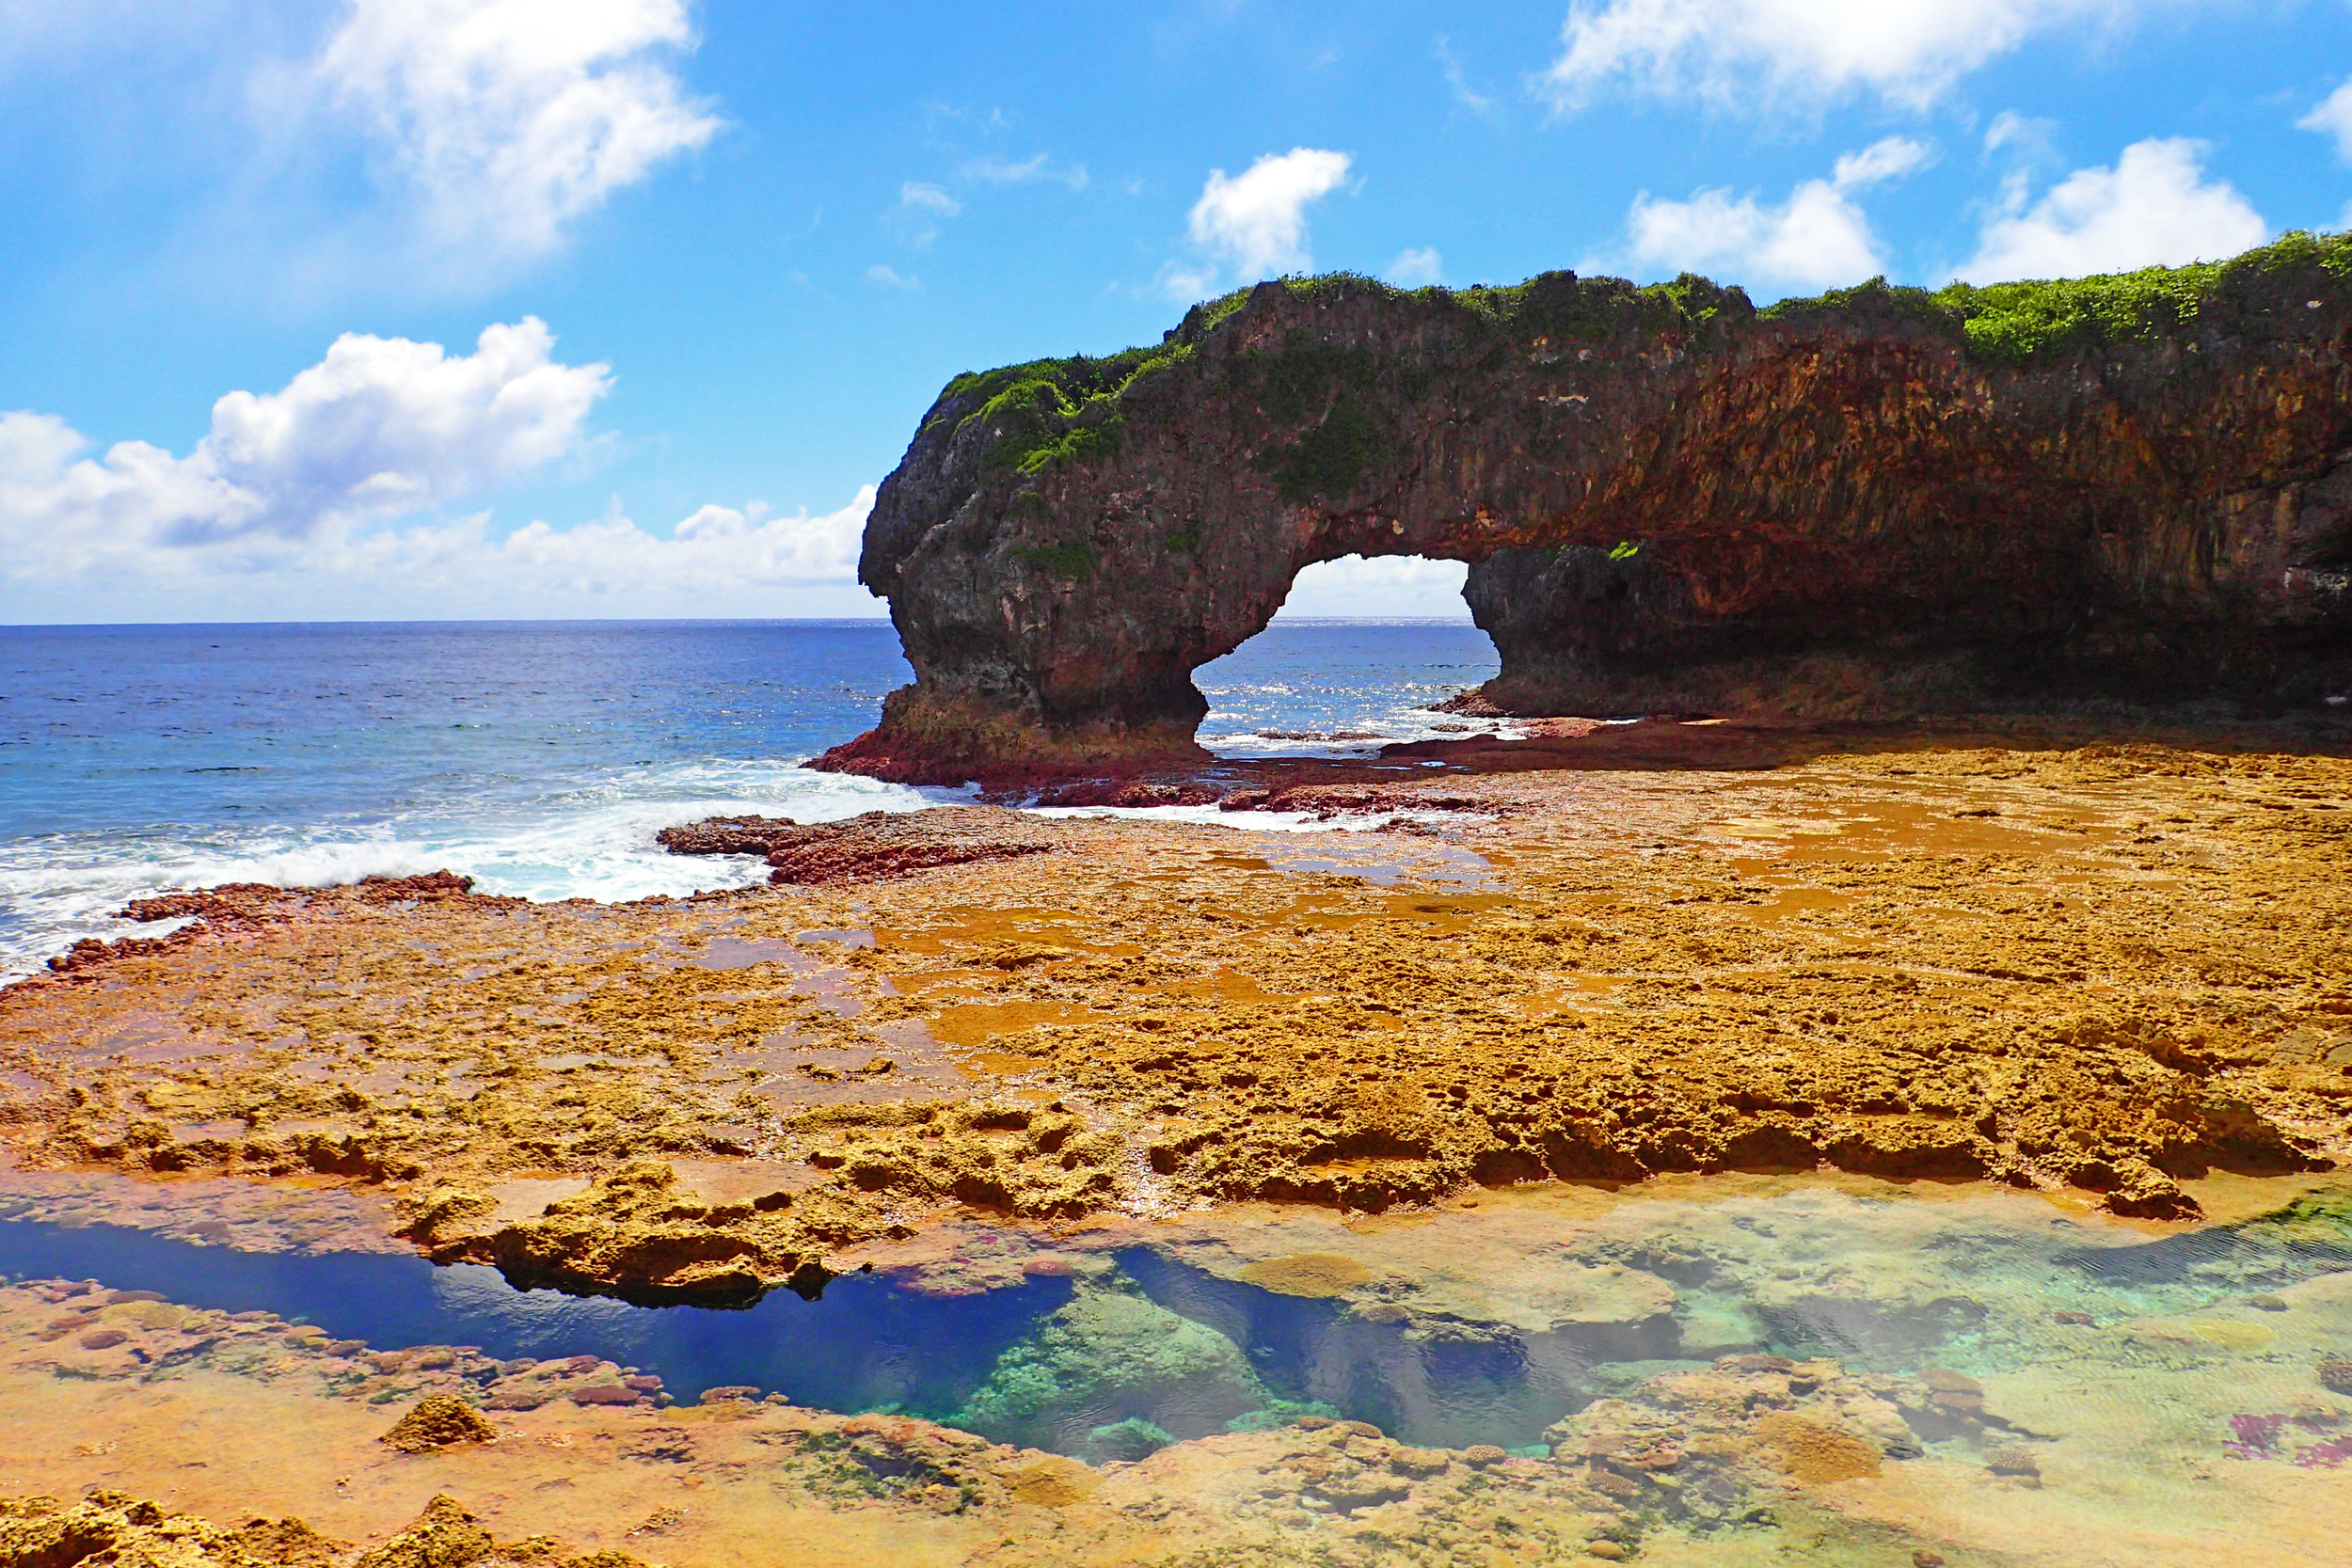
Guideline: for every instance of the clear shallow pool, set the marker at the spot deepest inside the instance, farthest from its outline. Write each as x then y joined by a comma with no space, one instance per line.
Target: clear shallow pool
1942,1328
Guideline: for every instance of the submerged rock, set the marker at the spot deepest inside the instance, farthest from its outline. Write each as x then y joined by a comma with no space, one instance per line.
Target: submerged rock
1117,1366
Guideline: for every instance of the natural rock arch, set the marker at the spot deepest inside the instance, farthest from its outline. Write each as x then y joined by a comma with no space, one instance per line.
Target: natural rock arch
1875,502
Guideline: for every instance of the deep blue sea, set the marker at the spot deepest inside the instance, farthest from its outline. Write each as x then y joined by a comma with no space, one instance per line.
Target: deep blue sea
538,756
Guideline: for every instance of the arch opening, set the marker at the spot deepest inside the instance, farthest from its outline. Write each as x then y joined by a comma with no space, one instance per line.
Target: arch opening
1359,655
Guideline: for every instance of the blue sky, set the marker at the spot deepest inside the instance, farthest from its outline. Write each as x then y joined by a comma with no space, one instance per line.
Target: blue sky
330,309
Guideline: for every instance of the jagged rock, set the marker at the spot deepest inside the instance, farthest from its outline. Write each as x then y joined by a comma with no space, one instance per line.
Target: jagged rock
878,845
727,835
124,1531
1880,501
439,1422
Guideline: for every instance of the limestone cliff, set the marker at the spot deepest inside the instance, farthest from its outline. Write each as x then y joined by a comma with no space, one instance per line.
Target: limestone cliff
1880,501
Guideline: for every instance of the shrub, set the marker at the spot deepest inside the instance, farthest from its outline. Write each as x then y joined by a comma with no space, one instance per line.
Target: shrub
1071,561
1329,461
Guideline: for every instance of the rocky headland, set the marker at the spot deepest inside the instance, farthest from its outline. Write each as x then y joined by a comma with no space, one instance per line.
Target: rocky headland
1880,502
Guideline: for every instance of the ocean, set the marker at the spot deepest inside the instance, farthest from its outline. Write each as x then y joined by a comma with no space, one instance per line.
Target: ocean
539,757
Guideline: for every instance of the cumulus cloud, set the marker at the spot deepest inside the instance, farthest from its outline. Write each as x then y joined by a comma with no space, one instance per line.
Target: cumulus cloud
721,559
1749,54
1378,585
1257,221
380,427
2154,208
304,498
512,117
1818,238
1416,268
717,552
2333,117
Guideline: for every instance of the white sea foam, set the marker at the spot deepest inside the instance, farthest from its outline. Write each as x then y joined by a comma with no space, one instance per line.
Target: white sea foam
1389,729
593,840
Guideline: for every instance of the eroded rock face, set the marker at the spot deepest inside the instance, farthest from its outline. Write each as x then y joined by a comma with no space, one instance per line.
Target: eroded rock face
1871,503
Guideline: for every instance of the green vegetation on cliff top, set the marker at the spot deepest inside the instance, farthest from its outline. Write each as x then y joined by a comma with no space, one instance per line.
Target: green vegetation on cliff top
1050,411
2010,323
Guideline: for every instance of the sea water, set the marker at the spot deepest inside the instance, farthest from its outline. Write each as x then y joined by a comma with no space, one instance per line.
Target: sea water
1480,1328
540,757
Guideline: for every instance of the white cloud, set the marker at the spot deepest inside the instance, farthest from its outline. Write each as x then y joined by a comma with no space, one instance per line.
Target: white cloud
920,211
928,198
2333,117
718,551
1882,161
1185,282
2154,208
2031,137
1818,238
720,560
1457,81
1258,220
291,506
1751,54
1035,170
1416,268
380,427
891,277
514,116
1378,585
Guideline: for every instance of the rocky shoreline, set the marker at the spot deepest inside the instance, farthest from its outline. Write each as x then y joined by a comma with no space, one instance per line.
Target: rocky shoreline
1927,956
1584,1056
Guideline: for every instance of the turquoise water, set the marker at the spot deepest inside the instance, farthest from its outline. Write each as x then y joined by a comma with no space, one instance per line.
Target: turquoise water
1126,1342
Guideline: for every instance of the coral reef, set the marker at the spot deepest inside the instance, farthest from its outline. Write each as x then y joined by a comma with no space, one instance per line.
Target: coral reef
1913,1396
235,908
1100,1376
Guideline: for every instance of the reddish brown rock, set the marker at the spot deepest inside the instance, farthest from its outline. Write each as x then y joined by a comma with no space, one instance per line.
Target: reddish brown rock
1877,502
239,907
871,847
1130,792
727,835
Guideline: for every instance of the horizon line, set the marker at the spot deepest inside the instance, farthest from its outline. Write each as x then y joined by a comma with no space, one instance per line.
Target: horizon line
646,620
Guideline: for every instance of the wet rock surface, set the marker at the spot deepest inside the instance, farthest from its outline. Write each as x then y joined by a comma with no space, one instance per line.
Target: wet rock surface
1922,956
114,1528
865,848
